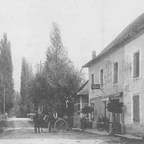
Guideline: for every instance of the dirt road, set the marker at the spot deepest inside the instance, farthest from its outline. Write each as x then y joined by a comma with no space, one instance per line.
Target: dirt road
20,131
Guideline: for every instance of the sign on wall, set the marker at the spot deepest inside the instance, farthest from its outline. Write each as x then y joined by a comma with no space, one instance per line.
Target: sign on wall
95,86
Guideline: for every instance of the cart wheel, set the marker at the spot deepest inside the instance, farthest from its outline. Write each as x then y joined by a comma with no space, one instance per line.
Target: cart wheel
60,124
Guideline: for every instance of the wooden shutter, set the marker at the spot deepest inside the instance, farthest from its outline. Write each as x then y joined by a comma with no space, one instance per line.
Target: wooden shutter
136,65
101,77
136,110
115,72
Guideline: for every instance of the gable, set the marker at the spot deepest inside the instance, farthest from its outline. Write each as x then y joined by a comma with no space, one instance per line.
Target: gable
131,32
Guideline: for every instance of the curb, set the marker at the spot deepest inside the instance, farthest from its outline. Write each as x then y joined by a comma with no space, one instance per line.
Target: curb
127,136
132,137
97,133
77,129
90,132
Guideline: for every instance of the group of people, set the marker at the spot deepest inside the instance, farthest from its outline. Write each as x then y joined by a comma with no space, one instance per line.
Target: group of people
43,120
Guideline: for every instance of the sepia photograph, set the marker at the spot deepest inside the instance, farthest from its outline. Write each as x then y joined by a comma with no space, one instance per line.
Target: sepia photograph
71,72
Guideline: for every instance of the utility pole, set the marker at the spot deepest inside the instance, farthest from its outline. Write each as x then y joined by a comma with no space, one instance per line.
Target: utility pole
3,86
4,101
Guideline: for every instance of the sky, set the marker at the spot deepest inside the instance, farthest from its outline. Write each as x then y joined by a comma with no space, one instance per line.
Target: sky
86,25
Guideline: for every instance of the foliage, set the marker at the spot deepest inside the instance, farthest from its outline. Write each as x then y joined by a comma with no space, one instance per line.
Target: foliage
6,71
40,91
87,110
57,80
115,106
60,72
15,110
26,77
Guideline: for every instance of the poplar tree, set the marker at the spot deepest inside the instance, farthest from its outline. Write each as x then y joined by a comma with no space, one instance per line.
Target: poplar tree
6,74
26,77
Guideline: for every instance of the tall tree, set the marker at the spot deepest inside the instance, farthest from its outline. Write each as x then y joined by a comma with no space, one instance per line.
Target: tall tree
56,82
6,71
60,72
26,77
40,90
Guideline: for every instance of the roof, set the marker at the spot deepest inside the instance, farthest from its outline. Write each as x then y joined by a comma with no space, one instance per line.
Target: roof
131,32
83,89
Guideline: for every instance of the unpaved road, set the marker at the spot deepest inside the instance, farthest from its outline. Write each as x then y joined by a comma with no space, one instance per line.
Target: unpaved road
20,131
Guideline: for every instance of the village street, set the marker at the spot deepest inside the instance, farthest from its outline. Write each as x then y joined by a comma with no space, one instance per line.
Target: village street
20,131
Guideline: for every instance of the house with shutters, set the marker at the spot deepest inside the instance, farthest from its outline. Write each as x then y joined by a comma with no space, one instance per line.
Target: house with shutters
119,71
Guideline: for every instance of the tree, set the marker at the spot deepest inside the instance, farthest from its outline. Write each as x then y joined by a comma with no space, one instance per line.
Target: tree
15,111
56,81
39,90
6,71
26,77
59,71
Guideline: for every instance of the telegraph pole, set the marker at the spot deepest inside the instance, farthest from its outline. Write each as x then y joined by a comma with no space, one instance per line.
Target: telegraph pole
4,101
3,86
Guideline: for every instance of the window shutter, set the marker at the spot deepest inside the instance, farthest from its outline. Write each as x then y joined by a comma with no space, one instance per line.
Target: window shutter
136,112
101,77
115,72
136,65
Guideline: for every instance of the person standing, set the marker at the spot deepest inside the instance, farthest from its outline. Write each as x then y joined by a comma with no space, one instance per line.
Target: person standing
37,123
51,121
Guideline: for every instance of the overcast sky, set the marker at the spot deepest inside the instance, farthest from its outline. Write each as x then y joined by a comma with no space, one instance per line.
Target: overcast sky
86,25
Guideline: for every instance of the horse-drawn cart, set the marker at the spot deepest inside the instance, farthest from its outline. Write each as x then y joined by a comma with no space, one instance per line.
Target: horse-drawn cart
50,123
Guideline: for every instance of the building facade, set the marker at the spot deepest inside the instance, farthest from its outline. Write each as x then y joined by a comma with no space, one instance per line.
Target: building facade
119,69
81,100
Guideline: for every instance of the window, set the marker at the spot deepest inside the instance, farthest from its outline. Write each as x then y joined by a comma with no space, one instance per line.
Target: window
136,65
115,74
136,111
101,78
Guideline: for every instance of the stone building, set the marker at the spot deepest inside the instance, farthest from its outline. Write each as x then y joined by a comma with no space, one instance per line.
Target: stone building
119,69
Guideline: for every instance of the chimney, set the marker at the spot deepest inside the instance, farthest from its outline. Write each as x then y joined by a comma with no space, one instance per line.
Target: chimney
93,54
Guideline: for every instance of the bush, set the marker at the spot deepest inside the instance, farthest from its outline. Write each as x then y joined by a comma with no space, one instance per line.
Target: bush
3,124
115,106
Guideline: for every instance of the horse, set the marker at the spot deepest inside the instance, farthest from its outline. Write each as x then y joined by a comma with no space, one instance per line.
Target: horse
45,121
